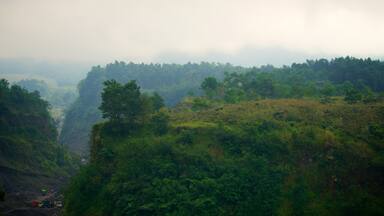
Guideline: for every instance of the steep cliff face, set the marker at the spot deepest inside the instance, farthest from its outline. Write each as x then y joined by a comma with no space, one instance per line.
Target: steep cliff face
28,134
28,137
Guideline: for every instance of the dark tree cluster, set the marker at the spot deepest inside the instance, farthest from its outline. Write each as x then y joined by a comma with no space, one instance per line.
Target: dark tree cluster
28,134
322,79
124,104
171,81
355,79
265,157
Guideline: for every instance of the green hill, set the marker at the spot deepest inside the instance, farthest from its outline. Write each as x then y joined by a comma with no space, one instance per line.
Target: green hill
265,157
171,81
28,148
319,78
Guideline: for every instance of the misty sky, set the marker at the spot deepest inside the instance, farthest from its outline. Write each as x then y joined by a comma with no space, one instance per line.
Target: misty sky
177,30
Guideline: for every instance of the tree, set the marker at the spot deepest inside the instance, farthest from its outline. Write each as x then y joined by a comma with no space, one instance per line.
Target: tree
111,96
160,122
328,89
4,87
326,92
131,101
210,86
368,95
157,101
122,103
352,96
264,85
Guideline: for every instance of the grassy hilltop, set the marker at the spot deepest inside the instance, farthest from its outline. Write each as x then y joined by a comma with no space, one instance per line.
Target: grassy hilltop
266,157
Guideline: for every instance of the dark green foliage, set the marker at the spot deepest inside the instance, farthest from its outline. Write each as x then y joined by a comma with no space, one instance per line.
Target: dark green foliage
210,86
234,95
171,81
352,96
320,79
160,122
85,189
377,130
264,157
263,85
122,103
368,96
268,157
300,196
128,109
158,176
28,134
157,101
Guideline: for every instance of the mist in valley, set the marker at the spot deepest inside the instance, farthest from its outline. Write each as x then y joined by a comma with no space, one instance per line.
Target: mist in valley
178,107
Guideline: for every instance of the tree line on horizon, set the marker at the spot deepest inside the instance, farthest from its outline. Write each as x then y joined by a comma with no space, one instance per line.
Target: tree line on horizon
173,82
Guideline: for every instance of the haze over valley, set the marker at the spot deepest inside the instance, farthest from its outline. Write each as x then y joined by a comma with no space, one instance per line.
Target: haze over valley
177,107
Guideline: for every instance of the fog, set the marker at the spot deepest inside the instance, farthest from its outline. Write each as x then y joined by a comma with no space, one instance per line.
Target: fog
200,30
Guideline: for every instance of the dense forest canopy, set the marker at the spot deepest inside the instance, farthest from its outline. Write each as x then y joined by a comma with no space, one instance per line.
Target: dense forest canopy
302,139
28,135
171,81
314,78
262,157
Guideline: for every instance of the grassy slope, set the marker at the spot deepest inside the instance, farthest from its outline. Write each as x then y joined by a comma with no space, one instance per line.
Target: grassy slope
332,146
270,156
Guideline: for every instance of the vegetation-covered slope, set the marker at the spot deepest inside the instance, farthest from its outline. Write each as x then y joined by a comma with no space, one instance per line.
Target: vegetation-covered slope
171,81
315,78
60,98
266,157
27,138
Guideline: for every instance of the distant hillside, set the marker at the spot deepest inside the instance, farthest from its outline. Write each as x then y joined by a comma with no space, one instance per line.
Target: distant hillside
171,81
58,97
314,78
266,157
